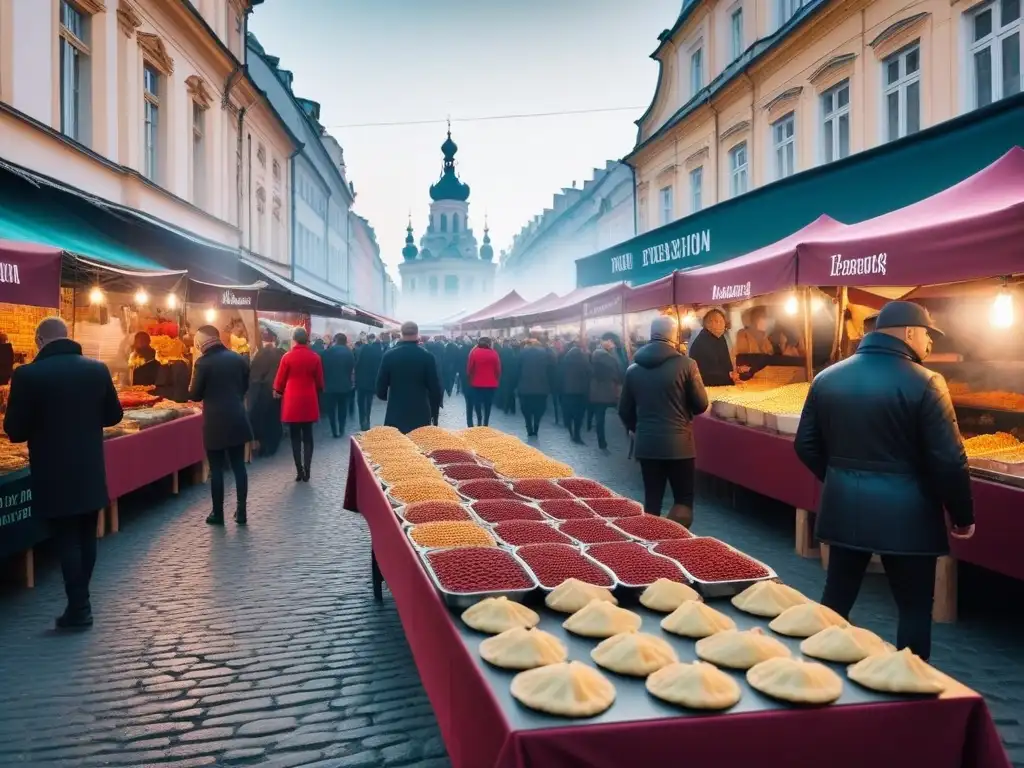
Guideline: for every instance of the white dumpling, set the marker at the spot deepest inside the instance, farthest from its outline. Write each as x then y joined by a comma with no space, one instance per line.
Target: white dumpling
633,653
569,689
521,648
666,595
572,595
601,619
497,614
844,645
806,620
796,681
898,672
693,619
768,599
740,650
697,685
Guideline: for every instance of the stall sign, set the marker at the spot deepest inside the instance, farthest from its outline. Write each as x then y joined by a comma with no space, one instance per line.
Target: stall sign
232,299
603,308
19,528
29,275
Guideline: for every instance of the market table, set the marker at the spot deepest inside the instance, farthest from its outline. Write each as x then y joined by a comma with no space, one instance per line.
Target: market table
999,534
483,727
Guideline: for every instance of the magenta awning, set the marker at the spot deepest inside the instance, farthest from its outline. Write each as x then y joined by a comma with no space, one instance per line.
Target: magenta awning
506,303
511,317
766,270
660,293
972,230
593,301
29,274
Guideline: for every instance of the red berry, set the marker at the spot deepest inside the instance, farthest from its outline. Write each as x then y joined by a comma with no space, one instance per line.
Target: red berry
554,563
591,531
540,489
617,507
487,489
434,511
633,565
566,509
460,472
452,456
478,569
582,488
651,528
500,510
518,533
709,559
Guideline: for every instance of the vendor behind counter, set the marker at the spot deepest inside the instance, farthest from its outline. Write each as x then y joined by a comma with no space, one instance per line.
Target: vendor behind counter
710,351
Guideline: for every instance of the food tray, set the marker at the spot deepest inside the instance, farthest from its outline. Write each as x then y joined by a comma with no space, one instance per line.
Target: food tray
607,521
712,589
463,600
634,589
754,417
582,550
500,479
986,471
723,410
395,503
473,518
543,517
407,530
492,529
787,423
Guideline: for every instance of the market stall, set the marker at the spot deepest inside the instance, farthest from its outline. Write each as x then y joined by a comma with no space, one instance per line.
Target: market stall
479,706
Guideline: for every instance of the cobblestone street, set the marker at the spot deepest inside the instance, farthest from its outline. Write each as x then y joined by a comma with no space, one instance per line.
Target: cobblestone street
263,646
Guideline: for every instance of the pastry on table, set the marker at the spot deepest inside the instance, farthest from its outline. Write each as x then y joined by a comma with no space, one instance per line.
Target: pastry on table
572,595
697,685
844,645
568,689
768,599
796,681
601,619
497,614
633,653
522,648
806,620
740,649
897,672
697,620
666,595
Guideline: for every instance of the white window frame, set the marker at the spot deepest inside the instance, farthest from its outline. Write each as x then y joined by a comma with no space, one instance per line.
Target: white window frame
666,204
739,169
151,123
831,118
993,43
786,10
198,154
784,146
697,189
696,69
904,81
74,71
736,36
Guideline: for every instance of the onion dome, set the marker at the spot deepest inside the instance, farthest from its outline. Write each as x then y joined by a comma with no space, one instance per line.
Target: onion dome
448,187
426,254
486,251
409,252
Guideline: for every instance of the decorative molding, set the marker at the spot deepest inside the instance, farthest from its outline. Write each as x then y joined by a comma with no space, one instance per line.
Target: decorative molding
198,91
832,71
91,7
128,18
697,159
155,51
898,35
665,173
790,94
783,104
735,129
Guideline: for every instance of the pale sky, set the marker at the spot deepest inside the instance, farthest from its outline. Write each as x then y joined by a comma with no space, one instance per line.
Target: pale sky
419,61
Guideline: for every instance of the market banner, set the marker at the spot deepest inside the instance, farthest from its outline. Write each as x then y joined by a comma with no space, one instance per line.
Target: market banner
223,296
29,274
19,528
603,307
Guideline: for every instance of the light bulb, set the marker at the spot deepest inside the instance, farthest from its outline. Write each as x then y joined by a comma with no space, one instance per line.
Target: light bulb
792,306
1002,310
211,315
141,297
96,295
817,304
172,301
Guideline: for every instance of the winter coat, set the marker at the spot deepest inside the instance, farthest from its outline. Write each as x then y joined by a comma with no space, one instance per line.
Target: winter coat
368,366
220,383
339,367
300,380
605,377
536,370
409,382
574,372
712,356
483,368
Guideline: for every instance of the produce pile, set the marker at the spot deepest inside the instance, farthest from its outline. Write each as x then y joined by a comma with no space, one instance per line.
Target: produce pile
997,399
634,565
479,569
712,560
554,563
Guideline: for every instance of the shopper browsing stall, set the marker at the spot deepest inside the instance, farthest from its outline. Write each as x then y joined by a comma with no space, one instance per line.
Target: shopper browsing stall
264,408
299,382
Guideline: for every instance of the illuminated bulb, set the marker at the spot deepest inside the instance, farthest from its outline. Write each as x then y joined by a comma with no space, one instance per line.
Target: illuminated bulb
1002,310
172,301
816,304
211,315
141,297
690,319
96,295
792,306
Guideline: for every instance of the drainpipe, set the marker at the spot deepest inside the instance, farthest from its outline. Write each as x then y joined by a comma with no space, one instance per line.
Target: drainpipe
248,187
348,255
636,211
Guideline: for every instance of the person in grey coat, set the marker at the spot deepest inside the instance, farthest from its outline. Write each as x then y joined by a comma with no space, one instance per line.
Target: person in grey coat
339,367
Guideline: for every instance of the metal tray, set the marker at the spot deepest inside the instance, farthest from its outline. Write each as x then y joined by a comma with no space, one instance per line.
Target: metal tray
407,530
712,589
550,523
502,480
582,550
463,600
607,521
632,589
545,518
1017,481
395,503
473,517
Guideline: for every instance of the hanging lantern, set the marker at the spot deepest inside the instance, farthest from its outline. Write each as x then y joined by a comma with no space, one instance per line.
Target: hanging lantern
141,297
96,295
1001,314
172,301
792,305
211,315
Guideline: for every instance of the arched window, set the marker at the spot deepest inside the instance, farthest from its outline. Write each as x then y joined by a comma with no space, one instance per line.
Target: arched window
444,222
455,222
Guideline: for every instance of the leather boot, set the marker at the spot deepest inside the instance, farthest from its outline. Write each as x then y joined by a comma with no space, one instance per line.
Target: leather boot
215,518
240,516
681,514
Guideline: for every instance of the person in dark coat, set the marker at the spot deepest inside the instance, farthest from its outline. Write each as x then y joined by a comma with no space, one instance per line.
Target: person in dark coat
710,351
148,371
366,370
574,383
220,383
451,365
662,393
339,371
59,404
536,374
605,384
264,408
409,382
6,360
879,430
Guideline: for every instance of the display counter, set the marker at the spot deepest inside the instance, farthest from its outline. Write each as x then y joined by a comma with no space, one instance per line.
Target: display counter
483,726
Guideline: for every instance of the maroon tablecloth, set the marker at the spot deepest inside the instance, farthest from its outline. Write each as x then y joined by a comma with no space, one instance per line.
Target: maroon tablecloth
955,731
141,458
998,539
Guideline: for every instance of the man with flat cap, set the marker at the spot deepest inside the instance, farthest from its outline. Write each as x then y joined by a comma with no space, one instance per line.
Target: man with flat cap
878,429
410,383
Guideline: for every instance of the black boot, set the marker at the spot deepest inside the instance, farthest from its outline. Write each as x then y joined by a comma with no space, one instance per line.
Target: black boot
215,518
240,516
79,619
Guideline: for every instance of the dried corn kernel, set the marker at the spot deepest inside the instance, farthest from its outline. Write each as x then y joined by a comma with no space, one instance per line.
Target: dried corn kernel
396,473
985,444
423,489
455,533
521,468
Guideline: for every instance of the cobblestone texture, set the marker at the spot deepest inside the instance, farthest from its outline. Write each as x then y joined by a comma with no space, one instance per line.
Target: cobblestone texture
263,646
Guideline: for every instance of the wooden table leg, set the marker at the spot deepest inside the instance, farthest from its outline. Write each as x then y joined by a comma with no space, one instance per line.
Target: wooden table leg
101,524
203,471
377,577
114,523
175,483
806,546
823,548
945,608
28,569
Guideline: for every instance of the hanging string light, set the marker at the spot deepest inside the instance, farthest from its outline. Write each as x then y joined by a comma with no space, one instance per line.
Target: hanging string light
141,297
211,315
172,301
96,295
792,305
1001,314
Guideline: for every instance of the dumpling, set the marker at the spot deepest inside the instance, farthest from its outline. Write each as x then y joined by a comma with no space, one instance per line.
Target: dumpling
844,645
768,599
806,620
633,653
899,672
693,619
666,595
801,682
697,685
569,689
497,614
740,650
521,648
573,594
601,619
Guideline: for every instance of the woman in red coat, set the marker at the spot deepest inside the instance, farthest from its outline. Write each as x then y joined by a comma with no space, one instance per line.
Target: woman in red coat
299,382
484,372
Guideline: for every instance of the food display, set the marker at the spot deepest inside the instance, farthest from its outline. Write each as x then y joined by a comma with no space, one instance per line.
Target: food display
451,456
806,620
616,507
530,466
502,510
523,648
592,531
573,595
144,418
795,681
582,488
480,490
397,472
459,472
651,528
844,644
665,596
423,489
768,599
13,456
433,512
711,560
697,685
431,438
983,445
472,570
696,620
136,397
569,689
566,509
633,653
738,649
447,533
899,672
519,533
540,490
599,618
552,564
495,615
991,400
634,565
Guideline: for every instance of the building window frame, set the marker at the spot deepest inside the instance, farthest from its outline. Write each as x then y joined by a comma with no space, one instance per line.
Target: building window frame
74,70
697,189
152,85
666,204
784,156
736,36
835,114
786,10
1003,35
198,154
696,68
739,169
901,83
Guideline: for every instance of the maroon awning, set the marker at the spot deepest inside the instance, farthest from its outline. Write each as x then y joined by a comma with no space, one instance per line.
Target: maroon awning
506,303
593,301
660,293
29,274
513,317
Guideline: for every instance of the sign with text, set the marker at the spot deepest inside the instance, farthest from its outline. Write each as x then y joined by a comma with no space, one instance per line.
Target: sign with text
19,528
222,297
29,274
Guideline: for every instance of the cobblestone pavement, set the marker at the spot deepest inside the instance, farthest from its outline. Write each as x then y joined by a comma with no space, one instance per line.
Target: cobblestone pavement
263,646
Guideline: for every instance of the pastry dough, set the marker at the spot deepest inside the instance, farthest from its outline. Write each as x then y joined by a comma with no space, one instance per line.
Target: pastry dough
633,653
569,689
844,645
697,685
666,595
693,619
521,648
806,620
740,650
602,619
768,599
797,681
573,594
497,614
899,672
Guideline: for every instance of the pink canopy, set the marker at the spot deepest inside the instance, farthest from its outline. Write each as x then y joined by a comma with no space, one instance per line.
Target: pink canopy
506,303
971,230
593,301
660,293
29,274
509,317
767,270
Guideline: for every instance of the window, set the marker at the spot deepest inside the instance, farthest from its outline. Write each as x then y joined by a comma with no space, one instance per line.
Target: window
151,146
276,167
736,33
444,222
455,222
261,155
412,285
198,153
261,219
696,189
784,144
835,110
787,9
433,285
995,51
666,202
738,169
901,88
451,284
74,55
696,71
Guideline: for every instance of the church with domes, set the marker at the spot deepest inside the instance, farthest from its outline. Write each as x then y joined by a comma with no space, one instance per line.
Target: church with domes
448,274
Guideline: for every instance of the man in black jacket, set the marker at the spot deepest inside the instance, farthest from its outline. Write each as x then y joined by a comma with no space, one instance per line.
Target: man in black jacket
59,404
605,383
878,429
662,393
536,374
339,368
409,382
574,385
366,370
